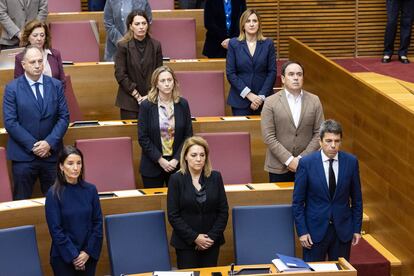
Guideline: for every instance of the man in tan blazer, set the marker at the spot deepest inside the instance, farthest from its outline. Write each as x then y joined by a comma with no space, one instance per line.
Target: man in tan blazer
14,14
290,124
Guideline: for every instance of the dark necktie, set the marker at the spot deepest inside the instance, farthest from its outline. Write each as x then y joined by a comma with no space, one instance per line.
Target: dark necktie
38,95
332,183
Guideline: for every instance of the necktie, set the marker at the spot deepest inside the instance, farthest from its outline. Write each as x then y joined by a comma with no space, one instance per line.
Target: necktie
38,95
332,182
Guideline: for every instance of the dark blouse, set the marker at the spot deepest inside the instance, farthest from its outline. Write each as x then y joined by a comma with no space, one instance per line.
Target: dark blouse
188,217
74,221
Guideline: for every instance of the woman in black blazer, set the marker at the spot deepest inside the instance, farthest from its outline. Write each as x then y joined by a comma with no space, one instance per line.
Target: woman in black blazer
197,207
163,125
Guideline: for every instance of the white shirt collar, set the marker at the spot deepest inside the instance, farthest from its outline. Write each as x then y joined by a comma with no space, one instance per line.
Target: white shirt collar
290,95
31,82
326,158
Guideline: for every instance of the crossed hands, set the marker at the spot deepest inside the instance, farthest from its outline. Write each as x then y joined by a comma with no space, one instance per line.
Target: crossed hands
256,101
203,242
80,261
41,149
166,165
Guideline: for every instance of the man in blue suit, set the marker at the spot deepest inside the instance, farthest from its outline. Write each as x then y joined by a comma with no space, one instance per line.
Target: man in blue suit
327,199
36,118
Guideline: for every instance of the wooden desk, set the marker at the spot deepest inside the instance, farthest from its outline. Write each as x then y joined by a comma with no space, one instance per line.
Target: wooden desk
31,212
347,269
95,86
197,14
202,124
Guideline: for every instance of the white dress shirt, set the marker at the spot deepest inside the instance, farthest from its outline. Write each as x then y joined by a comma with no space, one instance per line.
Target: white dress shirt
335,166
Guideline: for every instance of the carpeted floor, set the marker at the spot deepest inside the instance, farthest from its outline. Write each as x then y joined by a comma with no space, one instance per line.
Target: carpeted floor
393,69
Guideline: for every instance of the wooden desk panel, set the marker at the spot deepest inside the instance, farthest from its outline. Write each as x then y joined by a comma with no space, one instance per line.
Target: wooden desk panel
35,216
203,124
207,271
95,86
197,14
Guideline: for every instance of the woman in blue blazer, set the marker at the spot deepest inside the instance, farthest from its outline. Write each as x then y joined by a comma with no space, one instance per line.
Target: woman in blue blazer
163,125
74,218
197,207
250,66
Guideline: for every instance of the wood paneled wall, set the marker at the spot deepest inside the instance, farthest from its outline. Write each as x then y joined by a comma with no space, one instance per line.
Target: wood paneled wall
379,131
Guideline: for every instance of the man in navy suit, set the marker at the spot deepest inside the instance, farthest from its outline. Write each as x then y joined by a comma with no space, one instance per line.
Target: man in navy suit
327,199
36,118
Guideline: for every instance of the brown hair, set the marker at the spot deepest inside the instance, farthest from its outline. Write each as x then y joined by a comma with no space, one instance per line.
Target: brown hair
243,19
28,29
153,93
188,143
129,35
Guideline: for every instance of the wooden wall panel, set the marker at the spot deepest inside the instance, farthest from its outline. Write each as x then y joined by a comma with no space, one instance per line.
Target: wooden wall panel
379,131
343,28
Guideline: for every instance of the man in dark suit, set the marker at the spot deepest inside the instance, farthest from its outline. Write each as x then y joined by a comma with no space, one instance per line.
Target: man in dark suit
327,199
36,118
290,124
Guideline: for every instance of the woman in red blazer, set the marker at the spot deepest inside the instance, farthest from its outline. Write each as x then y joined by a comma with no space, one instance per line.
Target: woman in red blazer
37,33
197,207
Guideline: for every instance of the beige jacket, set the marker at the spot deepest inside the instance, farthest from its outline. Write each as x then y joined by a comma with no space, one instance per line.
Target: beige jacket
14,14
279,133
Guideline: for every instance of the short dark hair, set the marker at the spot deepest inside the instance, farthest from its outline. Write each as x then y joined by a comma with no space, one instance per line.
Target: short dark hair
289,62
330,126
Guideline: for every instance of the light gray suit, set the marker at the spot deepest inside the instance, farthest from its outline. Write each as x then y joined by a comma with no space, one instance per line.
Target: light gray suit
280,134
14,14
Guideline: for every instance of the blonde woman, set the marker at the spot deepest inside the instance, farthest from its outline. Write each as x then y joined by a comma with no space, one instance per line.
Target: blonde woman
164,123
197,207
250,66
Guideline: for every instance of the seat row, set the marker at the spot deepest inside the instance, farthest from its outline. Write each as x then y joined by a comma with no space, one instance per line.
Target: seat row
170,32
229,153
75,5
137,242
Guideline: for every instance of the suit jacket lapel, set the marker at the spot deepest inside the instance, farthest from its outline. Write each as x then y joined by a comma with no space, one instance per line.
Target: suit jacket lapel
285,104
245,48
342,167
29,93
259,48
305,104
134,58
321,173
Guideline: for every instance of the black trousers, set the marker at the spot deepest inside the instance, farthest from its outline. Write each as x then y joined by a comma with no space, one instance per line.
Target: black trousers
404,8
284,177
60,268
331,246
25,175
128,115
191,258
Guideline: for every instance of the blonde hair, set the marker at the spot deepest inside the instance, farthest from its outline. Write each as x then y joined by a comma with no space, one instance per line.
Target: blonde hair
243,19
188,143
153,93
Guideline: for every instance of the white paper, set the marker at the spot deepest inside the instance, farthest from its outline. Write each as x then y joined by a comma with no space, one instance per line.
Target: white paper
128,193
111,123
172,273
40,200
232,188
21,203
235,118
323,266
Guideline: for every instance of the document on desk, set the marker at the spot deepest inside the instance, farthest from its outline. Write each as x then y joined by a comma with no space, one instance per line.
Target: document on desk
324,267
288,263
173,273
126,193
236,187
